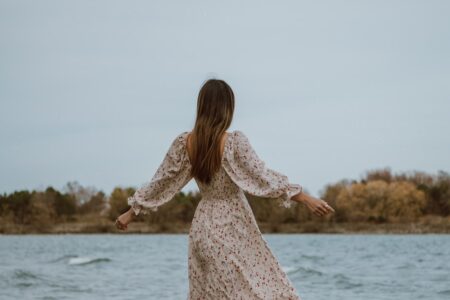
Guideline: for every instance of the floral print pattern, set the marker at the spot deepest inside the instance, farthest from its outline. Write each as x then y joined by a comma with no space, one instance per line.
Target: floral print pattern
228,258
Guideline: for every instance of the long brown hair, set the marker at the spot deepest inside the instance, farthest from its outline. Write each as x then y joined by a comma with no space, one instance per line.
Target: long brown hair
215,108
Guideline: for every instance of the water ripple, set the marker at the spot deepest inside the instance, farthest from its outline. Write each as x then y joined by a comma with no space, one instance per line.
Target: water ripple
79,261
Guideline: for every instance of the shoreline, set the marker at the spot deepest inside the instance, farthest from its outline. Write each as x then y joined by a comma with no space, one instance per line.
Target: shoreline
107,227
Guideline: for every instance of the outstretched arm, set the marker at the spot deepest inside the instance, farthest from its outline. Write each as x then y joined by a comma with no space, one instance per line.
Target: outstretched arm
171,176
251,173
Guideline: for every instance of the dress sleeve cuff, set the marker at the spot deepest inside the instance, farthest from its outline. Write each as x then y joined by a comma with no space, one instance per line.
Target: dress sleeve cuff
138,208
292,190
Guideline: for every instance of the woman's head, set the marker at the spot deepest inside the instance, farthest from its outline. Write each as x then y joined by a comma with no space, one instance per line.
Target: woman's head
215,108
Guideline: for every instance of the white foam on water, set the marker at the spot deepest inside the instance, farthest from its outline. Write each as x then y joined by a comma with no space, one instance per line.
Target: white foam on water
86,260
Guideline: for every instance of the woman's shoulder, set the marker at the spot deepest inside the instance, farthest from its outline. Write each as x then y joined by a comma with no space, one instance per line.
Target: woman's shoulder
237,133
182,136
239,136
238,140
234,136
179,141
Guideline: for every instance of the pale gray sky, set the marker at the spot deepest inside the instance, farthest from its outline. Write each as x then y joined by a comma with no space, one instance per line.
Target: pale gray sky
95,91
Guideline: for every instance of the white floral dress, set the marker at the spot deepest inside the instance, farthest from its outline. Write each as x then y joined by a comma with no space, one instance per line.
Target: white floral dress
228,257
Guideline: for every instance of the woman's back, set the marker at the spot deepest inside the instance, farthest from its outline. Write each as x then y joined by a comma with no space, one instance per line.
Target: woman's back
242,168
221,184
228,257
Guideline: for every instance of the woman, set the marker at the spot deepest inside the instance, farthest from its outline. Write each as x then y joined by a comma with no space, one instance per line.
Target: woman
228,256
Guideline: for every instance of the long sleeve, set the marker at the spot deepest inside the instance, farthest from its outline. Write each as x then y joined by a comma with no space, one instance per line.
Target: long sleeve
171,176
252,175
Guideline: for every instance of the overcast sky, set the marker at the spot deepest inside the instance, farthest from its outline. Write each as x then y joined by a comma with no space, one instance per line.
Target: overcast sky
95,91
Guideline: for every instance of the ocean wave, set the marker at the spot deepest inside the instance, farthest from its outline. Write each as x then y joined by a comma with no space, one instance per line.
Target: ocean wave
64,257
78,261
23,274
24,279
311,257
307,271
345,282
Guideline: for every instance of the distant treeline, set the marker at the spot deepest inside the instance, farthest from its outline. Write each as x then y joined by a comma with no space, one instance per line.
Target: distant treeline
379,197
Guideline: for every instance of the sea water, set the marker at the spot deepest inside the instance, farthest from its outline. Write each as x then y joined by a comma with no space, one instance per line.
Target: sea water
134,266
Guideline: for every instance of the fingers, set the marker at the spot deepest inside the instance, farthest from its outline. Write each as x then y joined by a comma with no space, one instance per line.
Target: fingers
330,209
319,211
120,225
323,209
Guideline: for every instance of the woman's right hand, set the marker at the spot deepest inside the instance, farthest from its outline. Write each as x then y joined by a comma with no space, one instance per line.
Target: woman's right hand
318,206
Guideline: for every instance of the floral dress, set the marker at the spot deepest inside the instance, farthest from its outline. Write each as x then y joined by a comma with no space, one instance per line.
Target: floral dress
228,258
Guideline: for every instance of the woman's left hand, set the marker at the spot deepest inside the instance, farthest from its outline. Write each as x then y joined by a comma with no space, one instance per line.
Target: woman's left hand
124,219
318,206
